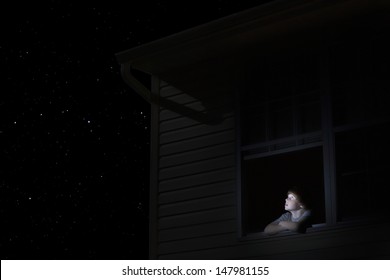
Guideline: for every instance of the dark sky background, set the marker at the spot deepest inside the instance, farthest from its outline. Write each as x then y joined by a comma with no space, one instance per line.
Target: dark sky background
74,138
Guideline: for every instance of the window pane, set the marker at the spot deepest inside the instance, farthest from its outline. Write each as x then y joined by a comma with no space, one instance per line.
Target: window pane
376,100
309,118
281,119
254,127
344,62
305,72
381,57
280,98
366,101
266,181
277,79
347,105
360,73
363,168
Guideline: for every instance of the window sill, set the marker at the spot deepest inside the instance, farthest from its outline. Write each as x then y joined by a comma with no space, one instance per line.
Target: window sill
318,230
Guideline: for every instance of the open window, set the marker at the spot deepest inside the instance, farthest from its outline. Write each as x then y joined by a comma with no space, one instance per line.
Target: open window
281,138
268,178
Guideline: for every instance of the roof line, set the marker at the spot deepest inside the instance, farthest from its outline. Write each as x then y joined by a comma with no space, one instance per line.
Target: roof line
205,30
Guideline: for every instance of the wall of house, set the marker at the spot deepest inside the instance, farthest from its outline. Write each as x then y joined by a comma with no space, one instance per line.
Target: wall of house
194,197
196,178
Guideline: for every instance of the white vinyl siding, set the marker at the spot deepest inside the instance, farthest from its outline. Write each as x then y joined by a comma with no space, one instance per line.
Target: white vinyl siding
197,205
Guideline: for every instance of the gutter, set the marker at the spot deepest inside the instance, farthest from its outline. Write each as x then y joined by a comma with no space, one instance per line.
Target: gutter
136,85
146,94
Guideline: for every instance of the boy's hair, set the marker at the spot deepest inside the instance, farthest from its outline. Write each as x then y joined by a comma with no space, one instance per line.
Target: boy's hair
302,194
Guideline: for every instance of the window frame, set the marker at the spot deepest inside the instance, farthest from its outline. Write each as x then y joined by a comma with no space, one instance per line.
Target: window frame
328,131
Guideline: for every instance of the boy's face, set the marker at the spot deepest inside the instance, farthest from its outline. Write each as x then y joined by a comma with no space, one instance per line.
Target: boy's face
292,203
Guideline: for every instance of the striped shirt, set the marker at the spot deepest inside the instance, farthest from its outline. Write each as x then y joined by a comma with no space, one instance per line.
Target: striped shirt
288,217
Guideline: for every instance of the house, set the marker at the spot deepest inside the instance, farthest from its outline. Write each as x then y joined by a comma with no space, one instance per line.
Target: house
288,93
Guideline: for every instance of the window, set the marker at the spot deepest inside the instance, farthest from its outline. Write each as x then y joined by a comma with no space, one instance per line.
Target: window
363,168
281,138
267,180
320,119
361,121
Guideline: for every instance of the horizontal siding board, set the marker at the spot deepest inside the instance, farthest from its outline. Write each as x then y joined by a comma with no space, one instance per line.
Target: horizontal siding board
198,155
180,98
194,131
197,180
197,167
347,243
197,204
182,122
378,250
197,142
197,192
168,90
200,243
166,114
178,123
197,230
163,84
220,109
205,216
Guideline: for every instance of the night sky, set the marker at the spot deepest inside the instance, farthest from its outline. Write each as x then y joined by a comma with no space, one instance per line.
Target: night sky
74,137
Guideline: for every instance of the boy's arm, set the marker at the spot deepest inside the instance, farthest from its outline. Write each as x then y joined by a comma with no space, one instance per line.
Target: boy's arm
293,226
300,226
273,228
276,227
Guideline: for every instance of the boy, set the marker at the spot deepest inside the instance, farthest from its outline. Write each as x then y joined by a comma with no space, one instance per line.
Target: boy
296,219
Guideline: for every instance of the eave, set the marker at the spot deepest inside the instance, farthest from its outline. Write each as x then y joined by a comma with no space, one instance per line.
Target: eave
191,57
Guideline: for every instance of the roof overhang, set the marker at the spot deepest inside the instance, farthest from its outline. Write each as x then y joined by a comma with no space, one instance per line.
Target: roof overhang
207,54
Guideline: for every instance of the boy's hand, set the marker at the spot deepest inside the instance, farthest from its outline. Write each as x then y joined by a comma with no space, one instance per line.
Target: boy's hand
289,225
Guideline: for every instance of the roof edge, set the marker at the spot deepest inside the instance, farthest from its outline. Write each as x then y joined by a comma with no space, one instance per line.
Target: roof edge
211,28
